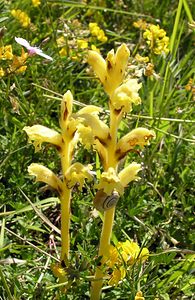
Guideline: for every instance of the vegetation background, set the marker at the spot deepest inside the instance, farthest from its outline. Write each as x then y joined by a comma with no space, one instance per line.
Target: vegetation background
157,212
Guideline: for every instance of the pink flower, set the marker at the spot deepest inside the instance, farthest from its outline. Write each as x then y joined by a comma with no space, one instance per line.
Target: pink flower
32,50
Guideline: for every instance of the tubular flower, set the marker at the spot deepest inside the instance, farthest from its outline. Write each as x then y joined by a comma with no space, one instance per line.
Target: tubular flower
76,174
66,109
138,136
125,95
39,134
109,182
21,16
99,128
110,71
129,173
45,175
156,39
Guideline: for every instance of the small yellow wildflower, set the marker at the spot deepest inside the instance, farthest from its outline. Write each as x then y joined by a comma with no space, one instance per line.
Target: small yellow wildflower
117,275
94,48
141,59
18,63
82,44
139,296
121,257
6,52
2,73
63,52
189,85
36,3
156,39
140,24
21,16
61,41
98,32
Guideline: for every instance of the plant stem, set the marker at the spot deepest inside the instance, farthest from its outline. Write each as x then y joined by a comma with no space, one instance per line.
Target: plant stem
109,214
65,200
103,249
65,223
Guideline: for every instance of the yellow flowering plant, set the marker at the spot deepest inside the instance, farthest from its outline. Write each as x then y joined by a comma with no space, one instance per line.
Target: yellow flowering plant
86,127
74,173
10,63
123,94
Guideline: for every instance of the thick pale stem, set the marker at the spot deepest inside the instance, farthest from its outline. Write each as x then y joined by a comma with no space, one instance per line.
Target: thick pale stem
66,155
65,223
103,249
108,215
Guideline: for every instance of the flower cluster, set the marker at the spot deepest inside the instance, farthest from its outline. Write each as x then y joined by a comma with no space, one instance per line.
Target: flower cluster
156,39
75,47
10,62
121,258
123,94
98,32
21,16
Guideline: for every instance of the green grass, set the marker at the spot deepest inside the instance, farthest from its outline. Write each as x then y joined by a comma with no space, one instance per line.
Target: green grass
157,211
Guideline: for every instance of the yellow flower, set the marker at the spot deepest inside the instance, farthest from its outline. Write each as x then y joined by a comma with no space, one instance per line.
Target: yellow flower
45,175
126,95
36,3
18,63
21,16
139,296
140,24
89,118
63,52
94,48
61,41
110,71
129,173
141,59
82,44
121,257
96,31
110,182
157,39
66,110
6,52
39,134
117,275
2,73
76,174
138,136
